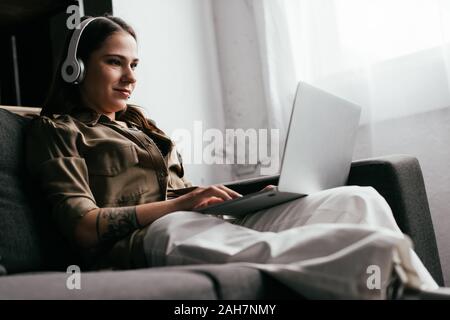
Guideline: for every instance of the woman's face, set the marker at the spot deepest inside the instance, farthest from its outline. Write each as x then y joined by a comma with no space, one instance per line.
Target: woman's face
110,74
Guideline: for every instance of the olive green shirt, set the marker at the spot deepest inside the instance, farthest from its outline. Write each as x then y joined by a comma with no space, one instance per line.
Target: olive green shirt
85,161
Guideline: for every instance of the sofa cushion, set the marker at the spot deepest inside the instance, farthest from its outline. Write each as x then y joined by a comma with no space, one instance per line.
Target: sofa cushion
27,239
19,241
224,282
131,284
237,281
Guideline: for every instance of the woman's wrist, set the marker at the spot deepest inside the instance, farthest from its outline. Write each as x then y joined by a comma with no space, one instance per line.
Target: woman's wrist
149,212
179,204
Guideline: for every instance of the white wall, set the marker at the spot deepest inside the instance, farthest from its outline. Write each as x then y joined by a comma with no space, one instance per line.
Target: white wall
178,77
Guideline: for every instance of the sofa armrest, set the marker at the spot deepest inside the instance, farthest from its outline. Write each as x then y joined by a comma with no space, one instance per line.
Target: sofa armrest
398,178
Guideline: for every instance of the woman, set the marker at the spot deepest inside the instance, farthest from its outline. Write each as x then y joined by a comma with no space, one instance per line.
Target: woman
117,189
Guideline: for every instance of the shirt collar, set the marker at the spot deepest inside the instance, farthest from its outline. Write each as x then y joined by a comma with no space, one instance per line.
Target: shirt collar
89,116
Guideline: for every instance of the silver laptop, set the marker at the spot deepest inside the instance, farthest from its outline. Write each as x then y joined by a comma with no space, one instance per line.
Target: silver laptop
317,154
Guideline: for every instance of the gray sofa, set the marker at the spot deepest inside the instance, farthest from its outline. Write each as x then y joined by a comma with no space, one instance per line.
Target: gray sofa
34,257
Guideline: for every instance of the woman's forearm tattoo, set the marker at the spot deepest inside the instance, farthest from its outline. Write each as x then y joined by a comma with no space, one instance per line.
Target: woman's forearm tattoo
115,223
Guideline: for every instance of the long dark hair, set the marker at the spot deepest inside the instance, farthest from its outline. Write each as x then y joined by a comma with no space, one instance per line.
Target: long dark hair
64,97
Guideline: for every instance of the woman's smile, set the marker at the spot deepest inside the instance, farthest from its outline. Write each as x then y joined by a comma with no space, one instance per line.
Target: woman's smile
125,93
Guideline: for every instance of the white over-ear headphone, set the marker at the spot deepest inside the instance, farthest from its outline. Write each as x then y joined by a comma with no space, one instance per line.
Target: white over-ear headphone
72,70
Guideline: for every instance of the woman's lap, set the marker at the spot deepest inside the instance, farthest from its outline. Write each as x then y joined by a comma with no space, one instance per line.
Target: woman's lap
190,237
338,226
350,204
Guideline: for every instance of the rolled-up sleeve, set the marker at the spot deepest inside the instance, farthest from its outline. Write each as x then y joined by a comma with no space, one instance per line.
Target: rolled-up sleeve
54,161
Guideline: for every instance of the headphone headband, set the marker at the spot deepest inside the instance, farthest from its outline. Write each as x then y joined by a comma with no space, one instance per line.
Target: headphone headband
72,70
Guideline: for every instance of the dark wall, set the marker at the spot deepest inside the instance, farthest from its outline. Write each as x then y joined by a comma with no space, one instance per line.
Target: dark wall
38,45
33,47
6,71
97,7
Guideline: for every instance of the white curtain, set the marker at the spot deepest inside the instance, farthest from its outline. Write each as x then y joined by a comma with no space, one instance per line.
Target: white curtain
257,74
277,61
390,56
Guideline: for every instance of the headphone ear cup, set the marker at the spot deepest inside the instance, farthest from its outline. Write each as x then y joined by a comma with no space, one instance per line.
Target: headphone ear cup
82,71
70,71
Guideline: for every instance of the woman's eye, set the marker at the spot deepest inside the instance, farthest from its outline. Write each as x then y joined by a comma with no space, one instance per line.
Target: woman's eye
134,66
115,62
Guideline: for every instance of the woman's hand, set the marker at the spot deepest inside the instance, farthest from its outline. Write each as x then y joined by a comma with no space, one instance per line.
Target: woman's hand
204,196
269,187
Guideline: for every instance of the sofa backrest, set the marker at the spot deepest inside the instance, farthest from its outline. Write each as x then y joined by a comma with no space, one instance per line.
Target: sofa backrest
28,239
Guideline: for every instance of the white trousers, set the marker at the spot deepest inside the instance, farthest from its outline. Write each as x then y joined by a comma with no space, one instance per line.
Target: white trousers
340,243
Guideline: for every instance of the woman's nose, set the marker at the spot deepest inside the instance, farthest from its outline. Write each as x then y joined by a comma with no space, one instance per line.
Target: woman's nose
129,75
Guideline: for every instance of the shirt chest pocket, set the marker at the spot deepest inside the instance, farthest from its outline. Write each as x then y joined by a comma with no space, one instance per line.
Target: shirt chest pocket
110,159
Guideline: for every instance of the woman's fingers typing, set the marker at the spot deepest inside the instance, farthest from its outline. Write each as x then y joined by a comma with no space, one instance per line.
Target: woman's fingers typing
216,191
208,201
269,187
230,192
203,196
